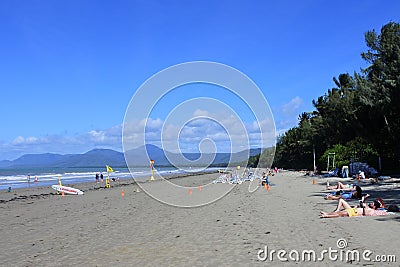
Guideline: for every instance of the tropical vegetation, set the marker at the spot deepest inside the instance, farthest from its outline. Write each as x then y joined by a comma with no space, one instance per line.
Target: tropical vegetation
359,118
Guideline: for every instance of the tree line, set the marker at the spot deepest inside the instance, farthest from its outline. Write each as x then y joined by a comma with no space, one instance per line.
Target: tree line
359,118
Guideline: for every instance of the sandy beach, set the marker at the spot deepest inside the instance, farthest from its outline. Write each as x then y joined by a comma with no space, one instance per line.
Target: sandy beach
104,228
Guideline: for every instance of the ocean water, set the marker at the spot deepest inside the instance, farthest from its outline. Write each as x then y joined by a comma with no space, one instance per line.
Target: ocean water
17,178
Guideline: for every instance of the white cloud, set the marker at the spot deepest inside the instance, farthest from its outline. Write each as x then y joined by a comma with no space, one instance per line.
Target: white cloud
291,108
97,136
199,112
21,141
62,144
151,124
289,113
222,129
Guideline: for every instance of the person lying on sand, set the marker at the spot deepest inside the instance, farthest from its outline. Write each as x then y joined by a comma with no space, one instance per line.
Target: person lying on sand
341,186
354,194
344,209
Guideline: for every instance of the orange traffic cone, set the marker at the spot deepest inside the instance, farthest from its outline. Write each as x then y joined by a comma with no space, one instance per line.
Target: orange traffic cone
122,193
314,182
190,191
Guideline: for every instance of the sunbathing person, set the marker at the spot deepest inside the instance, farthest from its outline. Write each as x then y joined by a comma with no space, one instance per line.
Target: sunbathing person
341,186
355,194
344,209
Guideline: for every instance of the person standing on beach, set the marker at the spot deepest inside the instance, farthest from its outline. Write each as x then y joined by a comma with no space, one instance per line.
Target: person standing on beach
28,178
264,179
36,179
97,177
101,177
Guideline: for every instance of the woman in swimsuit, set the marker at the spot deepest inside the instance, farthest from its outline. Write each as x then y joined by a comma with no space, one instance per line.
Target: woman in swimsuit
354,194
341,186
344,209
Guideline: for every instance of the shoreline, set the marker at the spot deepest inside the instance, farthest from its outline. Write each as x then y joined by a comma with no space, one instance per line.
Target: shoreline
41,191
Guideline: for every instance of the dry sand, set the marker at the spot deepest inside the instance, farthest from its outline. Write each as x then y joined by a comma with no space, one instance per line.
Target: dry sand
102,228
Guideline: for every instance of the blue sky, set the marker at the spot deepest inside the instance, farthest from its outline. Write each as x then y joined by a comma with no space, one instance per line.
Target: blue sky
68,69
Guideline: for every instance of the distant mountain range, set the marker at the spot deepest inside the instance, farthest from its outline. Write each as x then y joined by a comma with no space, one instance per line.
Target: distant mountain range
137,157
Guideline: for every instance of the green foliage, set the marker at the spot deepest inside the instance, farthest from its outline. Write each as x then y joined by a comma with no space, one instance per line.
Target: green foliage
360,150
358,118
357,149
379,91
341,156
253,161
294,149
263,160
